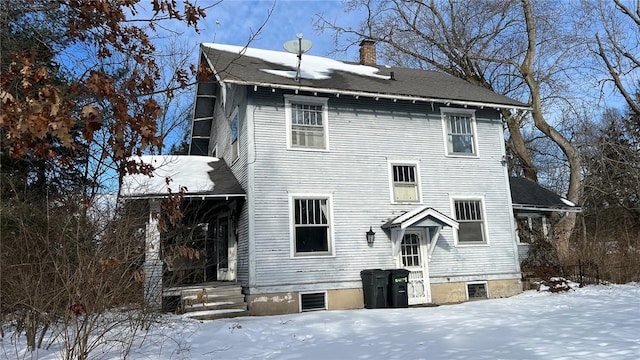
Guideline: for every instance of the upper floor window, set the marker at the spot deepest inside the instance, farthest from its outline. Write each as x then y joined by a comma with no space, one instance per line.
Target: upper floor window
460,131
306,122
311,226
405,182
234,136
471,228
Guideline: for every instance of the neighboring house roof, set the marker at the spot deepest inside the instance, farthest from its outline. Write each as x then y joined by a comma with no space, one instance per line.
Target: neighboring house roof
201,176
527,195
248,66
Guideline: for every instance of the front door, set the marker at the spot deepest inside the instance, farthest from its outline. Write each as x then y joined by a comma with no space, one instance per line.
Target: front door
225,249
414,258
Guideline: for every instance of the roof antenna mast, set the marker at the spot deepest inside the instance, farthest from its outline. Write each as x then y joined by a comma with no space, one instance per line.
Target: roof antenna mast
298,47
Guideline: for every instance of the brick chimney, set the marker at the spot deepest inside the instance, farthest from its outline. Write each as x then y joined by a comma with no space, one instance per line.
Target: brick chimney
368,52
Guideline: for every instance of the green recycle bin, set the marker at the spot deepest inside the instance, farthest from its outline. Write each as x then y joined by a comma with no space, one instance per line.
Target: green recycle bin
398,282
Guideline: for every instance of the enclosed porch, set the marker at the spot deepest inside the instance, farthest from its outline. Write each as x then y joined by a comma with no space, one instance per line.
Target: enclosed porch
193,206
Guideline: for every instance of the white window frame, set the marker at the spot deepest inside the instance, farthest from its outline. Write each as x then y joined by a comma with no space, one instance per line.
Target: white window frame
416,166
235,147
448,146
485,229
214,152
292,226
486,289
307,100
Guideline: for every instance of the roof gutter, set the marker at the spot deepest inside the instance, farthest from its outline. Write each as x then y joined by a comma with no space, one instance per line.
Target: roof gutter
185,196
378,95
576,209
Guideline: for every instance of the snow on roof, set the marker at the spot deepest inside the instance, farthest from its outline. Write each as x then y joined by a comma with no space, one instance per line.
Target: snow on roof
567,202
191,172
312,67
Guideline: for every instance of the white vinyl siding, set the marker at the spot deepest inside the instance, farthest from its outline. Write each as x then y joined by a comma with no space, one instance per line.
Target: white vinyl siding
306,122
460,129
469,214
311,225
365,136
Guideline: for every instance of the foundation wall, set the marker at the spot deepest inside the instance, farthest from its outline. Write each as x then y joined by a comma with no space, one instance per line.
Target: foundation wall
344,299
287,303
457,292
273,304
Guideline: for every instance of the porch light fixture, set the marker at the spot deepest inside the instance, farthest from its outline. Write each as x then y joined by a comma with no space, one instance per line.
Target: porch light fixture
371,236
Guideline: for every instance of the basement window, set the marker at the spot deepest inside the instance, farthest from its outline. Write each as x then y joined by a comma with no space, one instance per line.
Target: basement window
477,291
313,301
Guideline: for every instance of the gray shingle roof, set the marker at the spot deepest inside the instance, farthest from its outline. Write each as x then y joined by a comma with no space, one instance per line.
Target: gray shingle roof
407,83
527,194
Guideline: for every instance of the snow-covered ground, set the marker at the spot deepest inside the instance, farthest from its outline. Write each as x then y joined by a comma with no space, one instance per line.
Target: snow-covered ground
589,323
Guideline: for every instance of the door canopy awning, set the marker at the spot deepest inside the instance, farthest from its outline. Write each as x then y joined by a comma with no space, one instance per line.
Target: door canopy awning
416,218
421,217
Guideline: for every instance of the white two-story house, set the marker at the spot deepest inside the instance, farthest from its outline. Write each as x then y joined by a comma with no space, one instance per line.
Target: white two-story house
325,153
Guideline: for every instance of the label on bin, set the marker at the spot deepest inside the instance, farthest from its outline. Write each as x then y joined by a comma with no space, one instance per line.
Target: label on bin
402,280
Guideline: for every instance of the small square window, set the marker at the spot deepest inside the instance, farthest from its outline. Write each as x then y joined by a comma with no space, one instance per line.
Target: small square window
404,182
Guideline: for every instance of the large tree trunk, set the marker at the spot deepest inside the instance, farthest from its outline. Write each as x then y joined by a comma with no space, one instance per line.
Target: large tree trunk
565,226
519,147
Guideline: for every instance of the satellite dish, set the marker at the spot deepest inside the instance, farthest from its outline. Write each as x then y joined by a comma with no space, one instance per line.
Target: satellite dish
298,47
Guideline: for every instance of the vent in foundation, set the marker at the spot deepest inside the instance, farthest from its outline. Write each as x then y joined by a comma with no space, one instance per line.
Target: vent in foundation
477,291
313,301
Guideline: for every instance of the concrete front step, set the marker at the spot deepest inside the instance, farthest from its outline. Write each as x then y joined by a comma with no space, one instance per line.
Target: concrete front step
213,302
214,306
193,300
216,314
224,290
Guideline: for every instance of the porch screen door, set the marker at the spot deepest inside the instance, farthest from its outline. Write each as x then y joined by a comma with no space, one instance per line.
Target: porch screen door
223,248
414,258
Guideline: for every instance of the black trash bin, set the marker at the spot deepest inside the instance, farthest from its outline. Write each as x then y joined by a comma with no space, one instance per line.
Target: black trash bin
374,287
398,280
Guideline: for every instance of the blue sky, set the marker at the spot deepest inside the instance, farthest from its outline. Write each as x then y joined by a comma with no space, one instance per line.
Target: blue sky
232,22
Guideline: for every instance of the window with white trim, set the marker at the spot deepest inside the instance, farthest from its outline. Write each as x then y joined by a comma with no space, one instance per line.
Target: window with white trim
234,136
306,122
311,226
405,183
460,131
471,226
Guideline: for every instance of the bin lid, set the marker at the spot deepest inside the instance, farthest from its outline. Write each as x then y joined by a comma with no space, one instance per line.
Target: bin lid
373,272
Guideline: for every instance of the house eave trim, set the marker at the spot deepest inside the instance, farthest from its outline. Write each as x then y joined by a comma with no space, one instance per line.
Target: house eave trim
545,208
185,196
379,95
